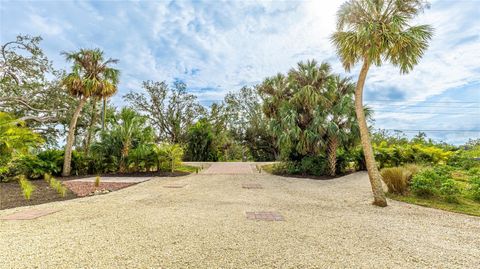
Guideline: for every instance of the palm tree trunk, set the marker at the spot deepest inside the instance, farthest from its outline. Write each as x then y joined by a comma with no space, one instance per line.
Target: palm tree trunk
104,113
373,174
123,160
93,119
332,155
67,161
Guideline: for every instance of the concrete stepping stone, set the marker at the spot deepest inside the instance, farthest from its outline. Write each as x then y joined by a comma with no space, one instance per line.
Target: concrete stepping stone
265,215
29,214
252,186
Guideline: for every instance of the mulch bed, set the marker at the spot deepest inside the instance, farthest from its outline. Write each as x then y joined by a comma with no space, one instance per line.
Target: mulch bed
85,188
11,194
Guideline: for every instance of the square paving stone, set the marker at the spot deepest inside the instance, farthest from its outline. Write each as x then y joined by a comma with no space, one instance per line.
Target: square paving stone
251,186
267,216
29,214
174,186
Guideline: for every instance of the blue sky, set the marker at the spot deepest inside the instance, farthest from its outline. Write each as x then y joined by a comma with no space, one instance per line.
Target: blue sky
219,46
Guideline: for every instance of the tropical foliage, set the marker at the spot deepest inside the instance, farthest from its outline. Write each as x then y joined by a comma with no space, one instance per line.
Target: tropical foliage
16,141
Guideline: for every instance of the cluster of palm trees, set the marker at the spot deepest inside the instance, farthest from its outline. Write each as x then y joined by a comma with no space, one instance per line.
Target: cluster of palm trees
311,112
91,77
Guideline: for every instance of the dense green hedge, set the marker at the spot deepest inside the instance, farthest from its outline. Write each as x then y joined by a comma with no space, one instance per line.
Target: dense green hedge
152,157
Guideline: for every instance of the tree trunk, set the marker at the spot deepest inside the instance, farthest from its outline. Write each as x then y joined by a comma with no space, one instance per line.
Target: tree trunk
104,113
373,174
123,160
67,161
93,119
332,155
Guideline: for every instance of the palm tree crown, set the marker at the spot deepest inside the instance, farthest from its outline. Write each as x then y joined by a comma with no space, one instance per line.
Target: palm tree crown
91,74
378,30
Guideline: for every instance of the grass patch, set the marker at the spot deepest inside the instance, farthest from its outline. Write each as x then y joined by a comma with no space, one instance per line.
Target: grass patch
269,168
464,206
187,168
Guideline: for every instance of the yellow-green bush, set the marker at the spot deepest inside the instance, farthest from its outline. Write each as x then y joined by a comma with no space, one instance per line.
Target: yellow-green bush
391,155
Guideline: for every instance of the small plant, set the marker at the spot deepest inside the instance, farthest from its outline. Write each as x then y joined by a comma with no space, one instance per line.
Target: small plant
97,182
396,179
450,190
47,177
475,188
58,186
27,187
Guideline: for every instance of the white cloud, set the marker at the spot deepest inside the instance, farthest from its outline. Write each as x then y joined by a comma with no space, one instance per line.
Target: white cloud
221,46
46,26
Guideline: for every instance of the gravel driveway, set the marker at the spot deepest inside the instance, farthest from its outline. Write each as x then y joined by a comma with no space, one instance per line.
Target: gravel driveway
203,224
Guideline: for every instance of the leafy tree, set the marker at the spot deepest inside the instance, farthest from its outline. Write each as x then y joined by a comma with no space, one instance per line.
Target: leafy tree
247,123
201,142
30,88
91,76
171,110
373,31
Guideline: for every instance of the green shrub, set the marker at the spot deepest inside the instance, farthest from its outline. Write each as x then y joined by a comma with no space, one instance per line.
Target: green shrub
450,190
53,160
465,159
316,166
474,171
396,179
444,171
80,163
26,186
426,183
475,188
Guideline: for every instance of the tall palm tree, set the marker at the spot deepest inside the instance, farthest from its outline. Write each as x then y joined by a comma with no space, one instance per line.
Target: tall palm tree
373,31
91,76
